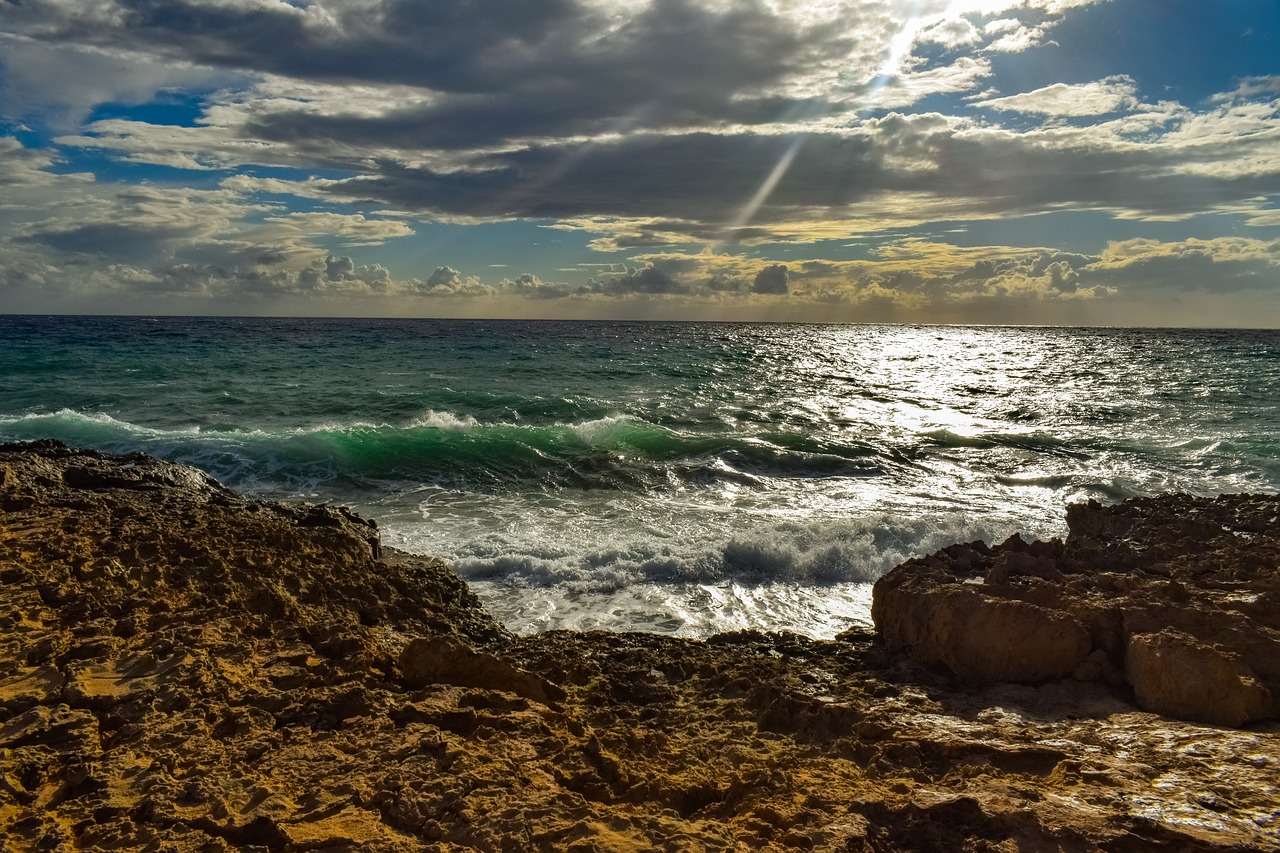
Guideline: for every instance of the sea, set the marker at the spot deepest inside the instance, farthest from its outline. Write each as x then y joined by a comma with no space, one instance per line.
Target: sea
683,478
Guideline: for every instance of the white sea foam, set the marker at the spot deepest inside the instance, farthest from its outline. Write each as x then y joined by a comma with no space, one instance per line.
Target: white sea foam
622,562
443,420
605,430
689,610
99,424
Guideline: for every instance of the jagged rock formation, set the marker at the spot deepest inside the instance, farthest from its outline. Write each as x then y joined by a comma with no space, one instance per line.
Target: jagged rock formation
1177,597
183,669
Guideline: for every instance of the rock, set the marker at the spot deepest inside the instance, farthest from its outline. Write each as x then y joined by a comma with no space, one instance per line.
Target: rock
1175,675
448,660
981,639
184,669
1205,569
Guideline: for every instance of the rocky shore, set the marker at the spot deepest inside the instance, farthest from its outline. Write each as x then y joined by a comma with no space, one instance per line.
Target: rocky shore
182,668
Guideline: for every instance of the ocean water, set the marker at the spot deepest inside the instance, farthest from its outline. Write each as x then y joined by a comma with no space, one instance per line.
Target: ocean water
682,478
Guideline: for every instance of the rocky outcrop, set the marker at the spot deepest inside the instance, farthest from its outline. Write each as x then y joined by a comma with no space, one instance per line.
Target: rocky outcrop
1177,597
182,669
1174,674
955,627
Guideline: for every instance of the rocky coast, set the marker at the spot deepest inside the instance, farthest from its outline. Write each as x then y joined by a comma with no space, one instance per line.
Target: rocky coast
183,668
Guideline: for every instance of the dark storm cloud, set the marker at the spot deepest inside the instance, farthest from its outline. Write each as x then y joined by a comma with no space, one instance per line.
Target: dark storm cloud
401,41
704,179
676,64
587,107
771,279
1008,172
697,176
499,68
116,242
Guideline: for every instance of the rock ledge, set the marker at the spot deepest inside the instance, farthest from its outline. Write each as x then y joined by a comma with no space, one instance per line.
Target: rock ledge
1177,597
183,669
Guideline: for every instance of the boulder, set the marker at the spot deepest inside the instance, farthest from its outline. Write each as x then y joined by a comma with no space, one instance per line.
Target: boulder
1174,674
983,639
1176,596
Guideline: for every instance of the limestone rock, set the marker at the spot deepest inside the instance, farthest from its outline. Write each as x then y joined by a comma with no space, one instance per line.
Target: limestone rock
1206,569
447,660
183,669
1175,675
982,639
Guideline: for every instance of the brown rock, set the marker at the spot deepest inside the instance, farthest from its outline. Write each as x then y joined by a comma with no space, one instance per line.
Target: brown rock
182,669
1206,568
447,660
982,639
1174,674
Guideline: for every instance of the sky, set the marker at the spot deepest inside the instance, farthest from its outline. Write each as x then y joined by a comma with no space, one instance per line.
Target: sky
1079,162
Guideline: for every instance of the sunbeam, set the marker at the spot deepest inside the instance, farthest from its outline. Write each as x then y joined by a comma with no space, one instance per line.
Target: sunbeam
898,49
766,189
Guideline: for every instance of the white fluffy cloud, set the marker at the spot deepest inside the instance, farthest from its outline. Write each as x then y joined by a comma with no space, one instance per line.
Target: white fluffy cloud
1110,95
63,83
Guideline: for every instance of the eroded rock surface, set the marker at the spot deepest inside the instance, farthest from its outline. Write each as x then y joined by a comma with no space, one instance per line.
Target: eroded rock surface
183,669
1178,597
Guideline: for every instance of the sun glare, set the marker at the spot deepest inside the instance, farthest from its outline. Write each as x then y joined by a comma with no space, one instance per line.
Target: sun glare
898,49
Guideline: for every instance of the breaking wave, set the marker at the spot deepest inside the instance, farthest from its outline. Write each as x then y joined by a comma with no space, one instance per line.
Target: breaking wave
445,449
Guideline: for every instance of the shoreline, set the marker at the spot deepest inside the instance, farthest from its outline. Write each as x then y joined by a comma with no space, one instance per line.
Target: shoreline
184,666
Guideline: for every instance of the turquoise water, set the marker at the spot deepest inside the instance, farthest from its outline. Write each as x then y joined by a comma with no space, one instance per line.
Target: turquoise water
684,478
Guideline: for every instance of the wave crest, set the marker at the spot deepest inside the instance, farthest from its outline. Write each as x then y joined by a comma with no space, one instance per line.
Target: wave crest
444,448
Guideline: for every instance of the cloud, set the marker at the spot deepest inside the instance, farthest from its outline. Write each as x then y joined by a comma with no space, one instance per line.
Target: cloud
343,270
449,75
952,33
1016,39
23,167
63,83
195,148
671,133
909,280
771,279
68,236
1252,87
695,176
447,281
498,68
1166,162
351,229
651,280
134,224
1109,95
913,276
672,113
1218,265
917,83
